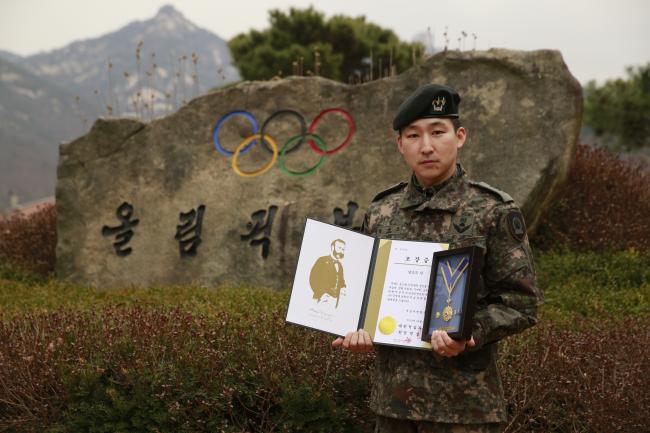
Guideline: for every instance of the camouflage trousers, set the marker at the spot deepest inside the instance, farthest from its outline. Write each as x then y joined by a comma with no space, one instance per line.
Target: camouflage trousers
393,425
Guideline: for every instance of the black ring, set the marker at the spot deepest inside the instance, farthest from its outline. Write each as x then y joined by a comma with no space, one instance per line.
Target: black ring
278,113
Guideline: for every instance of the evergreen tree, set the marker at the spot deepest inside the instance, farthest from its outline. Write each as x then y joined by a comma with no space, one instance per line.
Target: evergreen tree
619,110
304,42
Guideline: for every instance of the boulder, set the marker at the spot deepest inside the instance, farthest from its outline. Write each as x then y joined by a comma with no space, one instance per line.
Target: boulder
156,203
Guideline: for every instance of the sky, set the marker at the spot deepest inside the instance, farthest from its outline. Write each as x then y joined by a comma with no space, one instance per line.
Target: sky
597,38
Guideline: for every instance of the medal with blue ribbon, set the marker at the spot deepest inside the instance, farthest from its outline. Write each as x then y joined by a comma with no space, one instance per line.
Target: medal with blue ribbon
451,277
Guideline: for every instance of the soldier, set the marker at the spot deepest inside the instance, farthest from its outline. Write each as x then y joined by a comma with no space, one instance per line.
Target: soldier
457,387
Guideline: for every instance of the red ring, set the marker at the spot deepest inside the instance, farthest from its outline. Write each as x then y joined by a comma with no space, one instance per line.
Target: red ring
347,140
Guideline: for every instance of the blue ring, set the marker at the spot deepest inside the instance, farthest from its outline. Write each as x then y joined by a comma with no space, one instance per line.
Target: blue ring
217,127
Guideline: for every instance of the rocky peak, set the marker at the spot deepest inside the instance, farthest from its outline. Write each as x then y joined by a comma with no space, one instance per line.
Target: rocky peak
169,18
168,12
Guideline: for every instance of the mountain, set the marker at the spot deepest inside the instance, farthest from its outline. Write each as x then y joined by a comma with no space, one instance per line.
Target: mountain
35,116
160,62
146,69
8,55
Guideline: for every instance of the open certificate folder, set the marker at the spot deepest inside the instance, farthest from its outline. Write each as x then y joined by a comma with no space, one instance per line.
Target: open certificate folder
346,281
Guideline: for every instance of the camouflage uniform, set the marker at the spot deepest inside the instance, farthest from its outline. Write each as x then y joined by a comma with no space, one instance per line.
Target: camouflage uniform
466,389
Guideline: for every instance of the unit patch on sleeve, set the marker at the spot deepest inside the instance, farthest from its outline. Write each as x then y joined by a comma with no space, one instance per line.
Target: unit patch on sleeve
516,225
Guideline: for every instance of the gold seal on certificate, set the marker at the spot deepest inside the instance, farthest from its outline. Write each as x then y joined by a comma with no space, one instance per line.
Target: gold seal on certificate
387,325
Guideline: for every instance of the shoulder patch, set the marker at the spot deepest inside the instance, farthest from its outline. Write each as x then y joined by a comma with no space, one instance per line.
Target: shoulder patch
516,225
390,190
504,196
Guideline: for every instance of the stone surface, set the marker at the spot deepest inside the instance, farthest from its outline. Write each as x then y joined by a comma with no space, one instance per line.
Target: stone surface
522,111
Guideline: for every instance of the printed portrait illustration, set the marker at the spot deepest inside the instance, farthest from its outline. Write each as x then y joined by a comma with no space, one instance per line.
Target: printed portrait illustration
326,276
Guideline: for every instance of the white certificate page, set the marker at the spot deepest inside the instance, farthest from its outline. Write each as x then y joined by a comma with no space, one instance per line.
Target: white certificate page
404,294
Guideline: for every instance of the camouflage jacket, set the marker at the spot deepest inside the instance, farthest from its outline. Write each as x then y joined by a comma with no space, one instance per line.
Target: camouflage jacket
466,389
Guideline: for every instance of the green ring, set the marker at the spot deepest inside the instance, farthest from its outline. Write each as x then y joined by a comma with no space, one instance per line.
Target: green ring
319,142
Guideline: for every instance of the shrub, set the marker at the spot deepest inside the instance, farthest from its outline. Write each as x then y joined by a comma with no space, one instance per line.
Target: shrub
154,369
604,205
593,377
29,241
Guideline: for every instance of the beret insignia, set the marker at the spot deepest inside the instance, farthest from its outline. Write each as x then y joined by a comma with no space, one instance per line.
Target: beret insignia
430,100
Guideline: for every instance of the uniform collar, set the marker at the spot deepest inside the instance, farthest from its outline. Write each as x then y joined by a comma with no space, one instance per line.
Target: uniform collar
440,197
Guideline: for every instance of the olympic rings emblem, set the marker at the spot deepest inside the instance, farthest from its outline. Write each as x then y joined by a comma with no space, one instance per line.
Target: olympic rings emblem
270,145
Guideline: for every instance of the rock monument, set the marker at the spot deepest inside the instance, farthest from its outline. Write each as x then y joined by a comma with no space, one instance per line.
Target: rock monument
160,203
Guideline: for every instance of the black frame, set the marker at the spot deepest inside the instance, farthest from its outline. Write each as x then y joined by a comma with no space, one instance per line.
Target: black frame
470,290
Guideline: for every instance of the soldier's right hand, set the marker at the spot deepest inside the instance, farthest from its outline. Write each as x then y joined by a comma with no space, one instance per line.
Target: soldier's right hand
357,342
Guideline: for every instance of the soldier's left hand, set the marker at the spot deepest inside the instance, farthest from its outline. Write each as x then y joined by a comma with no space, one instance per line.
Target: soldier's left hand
444,345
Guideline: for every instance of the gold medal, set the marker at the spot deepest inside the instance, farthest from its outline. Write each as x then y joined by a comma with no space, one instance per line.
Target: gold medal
455,274
447,313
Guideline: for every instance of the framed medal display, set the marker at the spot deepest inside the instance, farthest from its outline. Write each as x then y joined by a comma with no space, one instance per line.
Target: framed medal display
455,276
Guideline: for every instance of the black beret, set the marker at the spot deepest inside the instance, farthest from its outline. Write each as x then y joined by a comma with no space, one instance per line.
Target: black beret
430,100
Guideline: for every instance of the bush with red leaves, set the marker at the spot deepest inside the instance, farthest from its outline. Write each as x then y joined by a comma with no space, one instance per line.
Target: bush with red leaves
29,241
605,204
592,377
124,369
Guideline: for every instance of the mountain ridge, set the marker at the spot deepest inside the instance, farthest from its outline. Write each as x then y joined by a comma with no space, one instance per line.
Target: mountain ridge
145,69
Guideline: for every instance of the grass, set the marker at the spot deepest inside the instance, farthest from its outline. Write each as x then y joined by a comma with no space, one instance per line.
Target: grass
594,285
48,295
586,284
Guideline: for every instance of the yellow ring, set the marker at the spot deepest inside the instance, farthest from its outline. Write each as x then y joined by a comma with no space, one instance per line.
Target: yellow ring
274,148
